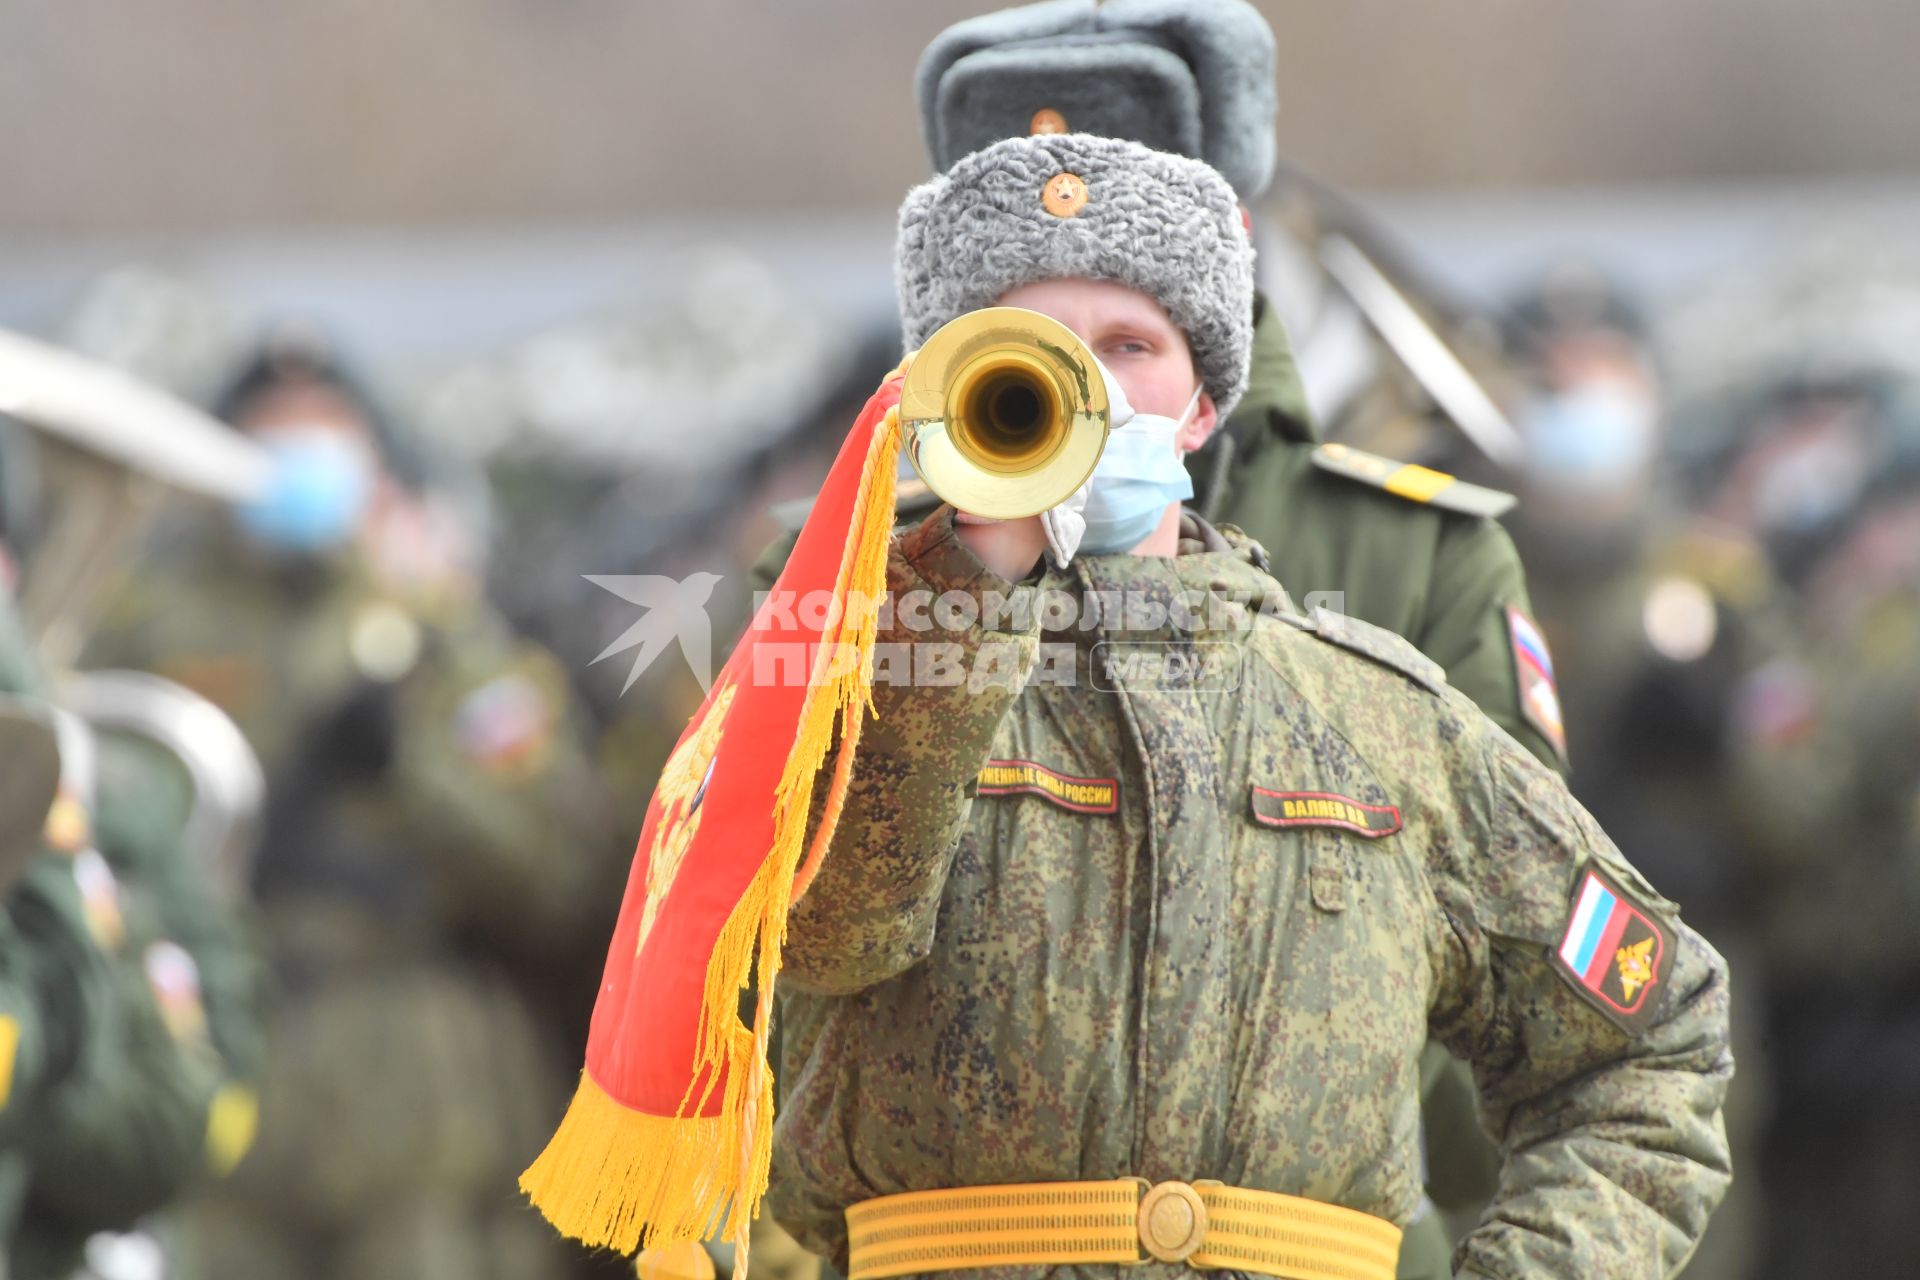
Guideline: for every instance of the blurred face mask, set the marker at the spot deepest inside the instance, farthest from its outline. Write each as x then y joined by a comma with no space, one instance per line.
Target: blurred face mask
1137,476
1812,484
320,487
1595,438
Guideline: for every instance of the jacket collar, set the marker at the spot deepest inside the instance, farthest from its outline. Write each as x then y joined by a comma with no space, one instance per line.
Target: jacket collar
1170,598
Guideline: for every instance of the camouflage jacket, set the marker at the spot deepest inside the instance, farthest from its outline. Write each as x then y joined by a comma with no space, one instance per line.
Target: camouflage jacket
1086,918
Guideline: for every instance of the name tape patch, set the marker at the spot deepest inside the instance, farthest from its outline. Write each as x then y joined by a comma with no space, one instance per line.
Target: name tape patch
1324,809
1613,951
1024,777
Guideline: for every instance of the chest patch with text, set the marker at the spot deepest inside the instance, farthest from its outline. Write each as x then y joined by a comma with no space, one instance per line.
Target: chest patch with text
1324,809
1024,777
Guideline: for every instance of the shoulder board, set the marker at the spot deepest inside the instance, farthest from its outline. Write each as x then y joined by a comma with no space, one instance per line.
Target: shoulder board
1376,643
911,502
1413,482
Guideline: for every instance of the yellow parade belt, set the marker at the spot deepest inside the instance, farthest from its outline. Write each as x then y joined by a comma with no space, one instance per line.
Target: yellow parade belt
1126,1222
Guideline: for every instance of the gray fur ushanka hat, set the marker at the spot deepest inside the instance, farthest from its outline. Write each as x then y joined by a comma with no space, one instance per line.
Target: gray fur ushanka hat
1194,77
1065,206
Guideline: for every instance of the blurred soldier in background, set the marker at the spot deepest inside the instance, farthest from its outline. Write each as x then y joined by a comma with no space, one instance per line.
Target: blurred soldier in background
1633,596
432,830
1826,796
1794,436
1654,613
130,1039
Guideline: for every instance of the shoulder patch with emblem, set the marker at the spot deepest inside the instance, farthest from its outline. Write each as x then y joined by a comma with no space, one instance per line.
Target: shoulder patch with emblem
1324,809
1614,951
174,979
100,899
1024,777
1533,674
1377,643
1412,481
506,726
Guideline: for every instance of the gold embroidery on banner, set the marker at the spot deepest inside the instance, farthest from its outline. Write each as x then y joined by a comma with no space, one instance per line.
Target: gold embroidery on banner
682,785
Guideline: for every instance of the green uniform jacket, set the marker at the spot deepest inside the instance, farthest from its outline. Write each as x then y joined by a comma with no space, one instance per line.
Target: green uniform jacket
1121,952
110,1102
1440,576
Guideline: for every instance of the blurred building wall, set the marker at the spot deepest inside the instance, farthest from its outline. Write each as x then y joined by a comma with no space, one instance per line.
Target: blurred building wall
221,114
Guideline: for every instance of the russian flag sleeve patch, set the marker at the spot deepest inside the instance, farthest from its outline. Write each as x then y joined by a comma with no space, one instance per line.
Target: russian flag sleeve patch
1614,951
1539,690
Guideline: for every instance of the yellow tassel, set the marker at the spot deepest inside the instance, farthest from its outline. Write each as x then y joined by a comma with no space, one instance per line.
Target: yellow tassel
611,1173
619,1178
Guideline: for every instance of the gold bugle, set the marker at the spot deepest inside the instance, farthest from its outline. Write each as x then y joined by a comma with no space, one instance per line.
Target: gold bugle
1004,412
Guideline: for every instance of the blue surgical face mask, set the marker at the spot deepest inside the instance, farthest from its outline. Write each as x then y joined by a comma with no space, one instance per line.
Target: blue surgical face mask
320,487
1597,438
1137,476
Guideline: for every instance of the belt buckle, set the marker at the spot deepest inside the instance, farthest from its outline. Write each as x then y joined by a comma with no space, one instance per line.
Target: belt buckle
1172,1221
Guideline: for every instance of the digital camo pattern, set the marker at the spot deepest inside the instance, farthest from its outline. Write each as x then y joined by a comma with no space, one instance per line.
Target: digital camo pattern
992,988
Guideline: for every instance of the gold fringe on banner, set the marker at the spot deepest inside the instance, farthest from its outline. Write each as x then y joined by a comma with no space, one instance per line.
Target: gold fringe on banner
619,1178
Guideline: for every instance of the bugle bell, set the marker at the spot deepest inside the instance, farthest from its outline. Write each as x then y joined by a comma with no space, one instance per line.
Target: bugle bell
1004,412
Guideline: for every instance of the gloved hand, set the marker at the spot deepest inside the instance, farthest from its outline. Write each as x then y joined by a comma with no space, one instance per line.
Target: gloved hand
1065,525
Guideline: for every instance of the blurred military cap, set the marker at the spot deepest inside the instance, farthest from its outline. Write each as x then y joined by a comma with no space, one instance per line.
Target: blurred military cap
1573,296
1194,77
